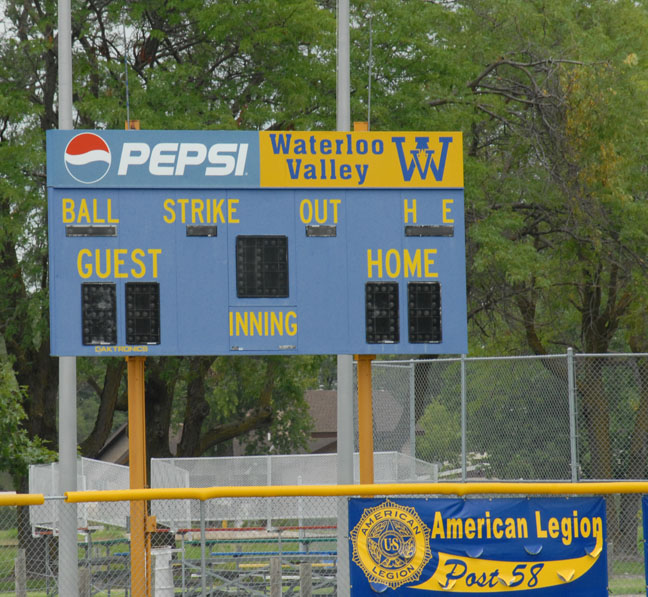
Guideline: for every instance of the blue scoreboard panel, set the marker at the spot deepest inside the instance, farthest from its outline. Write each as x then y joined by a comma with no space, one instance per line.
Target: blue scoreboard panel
230,242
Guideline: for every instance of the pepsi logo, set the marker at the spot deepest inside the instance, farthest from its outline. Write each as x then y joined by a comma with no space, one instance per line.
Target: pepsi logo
87,158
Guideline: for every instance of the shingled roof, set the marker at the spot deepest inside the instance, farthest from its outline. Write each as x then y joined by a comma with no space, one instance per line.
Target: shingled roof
388,418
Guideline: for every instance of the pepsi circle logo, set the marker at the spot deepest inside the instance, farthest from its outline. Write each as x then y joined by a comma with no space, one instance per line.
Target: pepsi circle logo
87,158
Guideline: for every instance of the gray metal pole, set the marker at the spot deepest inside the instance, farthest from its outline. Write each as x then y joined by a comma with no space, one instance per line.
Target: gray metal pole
344,362
67,434
203,551
65,64
345,420
370,74
344,467
571,390
343,68
68,554
464,426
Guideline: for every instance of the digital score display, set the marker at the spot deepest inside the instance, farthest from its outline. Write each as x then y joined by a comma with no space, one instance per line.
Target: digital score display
229,242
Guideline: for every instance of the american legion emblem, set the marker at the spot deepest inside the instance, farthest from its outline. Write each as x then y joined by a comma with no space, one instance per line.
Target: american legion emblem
391,544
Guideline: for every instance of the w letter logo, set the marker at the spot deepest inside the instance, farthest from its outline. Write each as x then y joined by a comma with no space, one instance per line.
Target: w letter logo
420,158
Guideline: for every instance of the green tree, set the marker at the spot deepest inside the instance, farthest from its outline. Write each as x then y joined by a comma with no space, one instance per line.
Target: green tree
17,449
26,101
551,97
556,172
441,441
247,65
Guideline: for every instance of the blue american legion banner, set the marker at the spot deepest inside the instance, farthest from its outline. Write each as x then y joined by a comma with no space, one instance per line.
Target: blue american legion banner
531,546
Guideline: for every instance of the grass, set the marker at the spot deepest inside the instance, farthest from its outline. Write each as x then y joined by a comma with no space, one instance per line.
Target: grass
625,567
627,578
9,537
620,585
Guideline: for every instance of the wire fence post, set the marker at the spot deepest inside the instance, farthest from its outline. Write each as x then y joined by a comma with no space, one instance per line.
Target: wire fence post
20,571
571,390
275,577
412,416
464,468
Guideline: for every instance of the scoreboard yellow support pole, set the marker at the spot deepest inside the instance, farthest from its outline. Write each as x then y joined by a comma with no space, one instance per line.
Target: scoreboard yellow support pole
365,418
140,549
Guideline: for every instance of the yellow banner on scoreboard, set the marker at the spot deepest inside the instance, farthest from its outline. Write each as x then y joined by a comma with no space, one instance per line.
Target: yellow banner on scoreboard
361,159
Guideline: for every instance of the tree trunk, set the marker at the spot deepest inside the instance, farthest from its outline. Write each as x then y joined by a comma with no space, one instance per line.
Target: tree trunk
159,400
197,407
108,396
595,413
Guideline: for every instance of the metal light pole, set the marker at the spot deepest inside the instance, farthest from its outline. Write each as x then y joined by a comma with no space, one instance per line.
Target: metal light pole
344,362
67,434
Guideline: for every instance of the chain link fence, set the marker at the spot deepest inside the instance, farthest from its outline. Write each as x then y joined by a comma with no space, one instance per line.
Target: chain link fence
555,418
211,557
560,417
564,417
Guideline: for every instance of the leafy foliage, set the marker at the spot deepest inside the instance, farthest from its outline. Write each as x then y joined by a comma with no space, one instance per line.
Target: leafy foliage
17,450
551,98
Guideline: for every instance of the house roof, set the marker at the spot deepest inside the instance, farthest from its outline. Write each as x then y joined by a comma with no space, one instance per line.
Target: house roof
116,447
388,413
323,409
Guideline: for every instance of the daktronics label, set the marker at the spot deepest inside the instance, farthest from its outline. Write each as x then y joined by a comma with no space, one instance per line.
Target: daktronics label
251,159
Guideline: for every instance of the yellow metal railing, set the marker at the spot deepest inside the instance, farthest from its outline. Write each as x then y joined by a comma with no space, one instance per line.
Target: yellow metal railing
458,489
22,499
140,552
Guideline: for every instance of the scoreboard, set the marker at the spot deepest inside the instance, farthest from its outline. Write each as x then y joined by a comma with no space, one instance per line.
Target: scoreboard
247,242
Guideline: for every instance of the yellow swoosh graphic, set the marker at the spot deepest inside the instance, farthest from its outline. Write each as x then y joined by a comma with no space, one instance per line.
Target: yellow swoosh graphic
475,575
